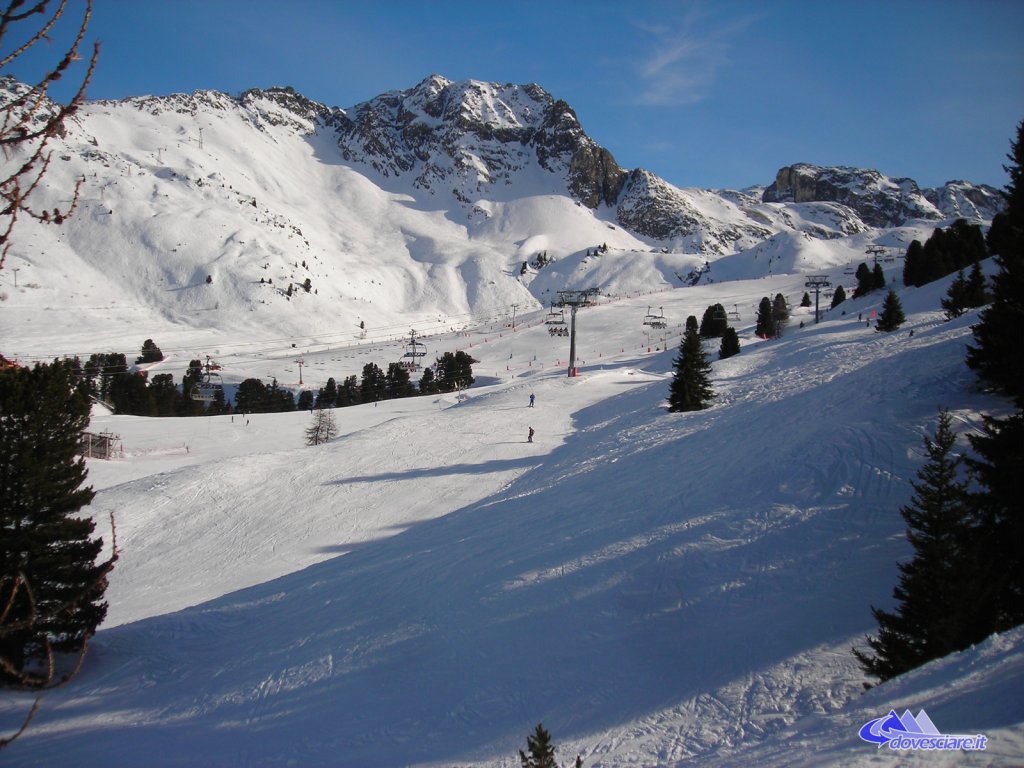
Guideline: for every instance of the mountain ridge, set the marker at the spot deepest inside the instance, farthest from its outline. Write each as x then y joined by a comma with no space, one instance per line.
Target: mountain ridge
422,205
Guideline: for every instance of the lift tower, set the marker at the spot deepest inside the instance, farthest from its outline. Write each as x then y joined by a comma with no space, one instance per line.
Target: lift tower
574,300
817,282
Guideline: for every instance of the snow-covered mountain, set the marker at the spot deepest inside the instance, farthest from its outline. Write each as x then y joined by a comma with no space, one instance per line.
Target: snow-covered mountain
276,214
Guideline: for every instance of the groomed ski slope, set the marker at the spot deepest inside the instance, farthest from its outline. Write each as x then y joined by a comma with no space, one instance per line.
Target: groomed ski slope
657,589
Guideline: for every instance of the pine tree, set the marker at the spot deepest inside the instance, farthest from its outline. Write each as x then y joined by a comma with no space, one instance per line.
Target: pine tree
730,344
397,382
806,300
372,384
865,281
976,290
780,313
765,327
691,385
541,752
327,397
838,297
150,353
428,384
51,587
714,322
955,301
691,323
934,615
913,264
995,356
877,277
998,538
892,316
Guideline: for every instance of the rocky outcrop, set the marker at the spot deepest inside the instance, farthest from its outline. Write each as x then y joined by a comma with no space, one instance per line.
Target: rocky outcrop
880,201
964,200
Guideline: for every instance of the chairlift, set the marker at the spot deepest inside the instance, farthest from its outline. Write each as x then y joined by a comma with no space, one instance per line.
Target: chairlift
655,321
414,352
555,317
206,390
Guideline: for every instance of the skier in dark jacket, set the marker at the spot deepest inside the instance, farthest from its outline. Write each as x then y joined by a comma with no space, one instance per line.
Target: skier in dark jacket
529,436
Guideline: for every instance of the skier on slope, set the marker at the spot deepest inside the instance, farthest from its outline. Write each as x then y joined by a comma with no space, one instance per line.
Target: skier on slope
529,436
531,400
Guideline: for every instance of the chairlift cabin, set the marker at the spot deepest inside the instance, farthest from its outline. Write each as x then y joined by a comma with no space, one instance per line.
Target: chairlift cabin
415,351
555,317
206,390
655,321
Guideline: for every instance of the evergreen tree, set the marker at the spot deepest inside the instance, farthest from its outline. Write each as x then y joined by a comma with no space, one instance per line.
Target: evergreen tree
995,356
955,301
397,382
540,751
691,323
372,385
838,297
714,322
934,614
428,383
305,402
327,397
150,353
892,316
865,281
765,327
730,344
780,313
877,277
278,399
51,586
976,292
997,564
455,371
164,394
348,392
251,396
691,384
806,300
913,264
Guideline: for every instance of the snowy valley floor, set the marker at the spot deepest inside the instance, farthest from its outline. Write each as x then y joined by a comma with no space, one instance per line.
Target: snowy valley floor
656,589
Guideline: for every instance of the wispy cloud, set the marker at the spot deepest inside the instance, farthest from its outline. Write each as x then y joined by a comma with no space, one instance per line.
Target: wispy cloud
682,58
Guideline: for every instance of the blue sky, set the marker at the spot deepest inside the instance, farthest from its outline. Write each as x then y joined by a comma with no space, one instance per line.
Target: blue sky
704,94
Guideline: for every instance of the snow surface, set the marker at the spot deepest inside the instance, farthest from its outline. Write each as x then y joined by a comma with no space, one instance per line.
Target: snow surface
657,589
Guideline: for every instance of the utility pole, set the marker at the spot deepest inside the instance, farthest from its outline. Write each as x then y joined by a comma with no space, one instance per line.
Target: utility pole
15,271
817,282
574,300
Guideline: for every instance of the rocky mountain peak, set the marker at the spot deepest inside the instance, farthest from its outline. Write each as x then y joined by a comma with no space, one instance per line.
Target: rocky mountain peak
467,137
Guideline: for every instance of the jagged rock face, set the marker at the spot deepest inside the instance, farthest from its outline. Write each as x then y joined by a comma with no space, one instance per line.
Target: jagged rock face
649,206
964,200
471,136
879,200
